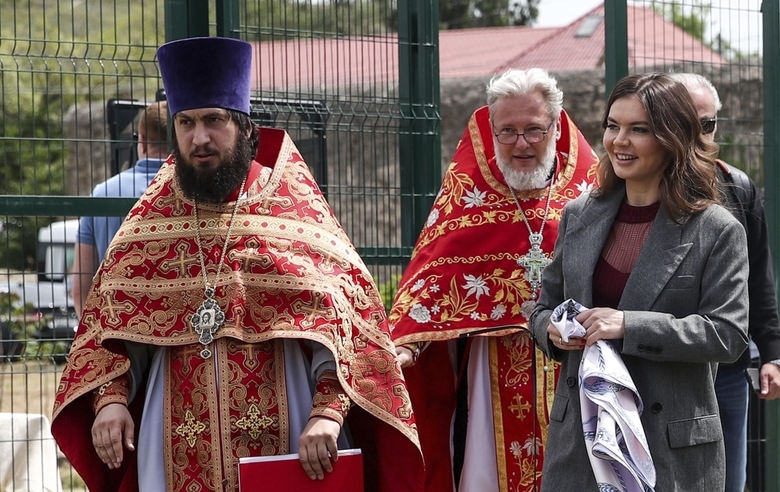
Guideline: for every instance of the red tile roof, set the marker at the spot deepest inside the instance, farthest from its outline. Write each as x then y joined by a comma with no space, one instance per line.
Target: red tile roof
328,62
479,52
652,40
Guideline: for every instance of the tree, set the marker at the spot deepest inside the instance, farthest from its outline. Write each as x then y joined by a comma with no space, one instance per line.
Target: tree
463,14
283,19
694,22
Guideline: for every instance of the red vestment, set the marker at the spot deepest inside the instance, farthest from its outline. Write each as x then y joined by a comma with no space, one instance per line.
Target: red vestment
290,272
464,278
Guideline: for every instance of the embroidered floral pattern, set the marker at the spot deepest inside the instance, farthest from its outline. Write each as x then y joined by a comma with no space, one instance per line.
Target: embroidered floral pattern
420,313
432,217
473,198
475,285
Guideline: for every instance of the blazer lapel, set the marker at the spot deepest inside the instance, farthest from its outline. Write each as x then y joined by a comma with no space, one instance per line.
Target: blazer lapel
588,232
660,257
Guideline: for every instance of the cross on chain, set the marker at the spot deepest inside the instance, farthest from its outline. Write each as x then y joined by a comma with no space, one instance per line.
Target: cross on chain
206,321
534,263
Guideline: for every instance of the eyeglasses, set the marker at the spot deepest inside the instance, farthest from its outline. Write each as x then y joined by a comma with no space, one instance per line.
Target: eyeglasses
509,137
708,125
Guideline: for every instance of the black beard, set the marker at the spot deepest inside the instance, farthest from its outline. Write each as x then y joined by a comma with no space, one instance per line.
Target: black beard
215,185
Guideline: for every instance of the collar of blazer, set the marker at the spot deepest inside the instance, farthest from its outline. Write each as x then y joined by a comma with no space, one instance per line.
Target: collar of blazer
586,232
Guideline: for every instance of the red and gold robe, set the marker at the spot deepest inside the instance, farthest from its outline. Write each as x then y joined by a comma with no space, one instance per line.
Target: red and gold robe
464,279
290,272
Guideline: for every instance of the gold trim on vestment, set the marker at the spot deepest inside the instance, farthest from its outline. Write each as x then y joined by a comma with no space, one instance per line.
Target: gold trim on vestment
498,419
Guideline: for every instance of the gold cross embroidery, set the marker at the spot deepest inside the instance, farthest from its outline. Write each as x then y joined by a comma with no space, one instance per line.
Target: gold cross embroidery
329,260
270,200
313,309
519,408
173,201
249,258
181,263
191,429
113,308
253,422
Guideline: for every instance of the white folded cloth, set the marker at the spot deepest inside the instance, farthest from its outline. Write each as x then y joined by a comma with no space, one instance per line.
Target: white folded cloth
611,409
28,454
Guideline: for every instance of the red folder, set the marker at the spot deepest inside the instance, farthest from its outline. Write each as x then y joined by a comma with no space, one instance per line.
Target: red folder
284,473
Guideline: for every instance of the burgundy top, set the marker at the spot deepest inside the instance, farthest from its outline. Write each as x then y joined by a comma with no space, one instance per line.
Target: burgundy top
625,241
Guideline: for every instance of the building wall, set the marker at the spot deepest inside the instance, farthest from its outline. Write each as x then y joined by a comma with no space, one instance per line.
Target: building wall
740,129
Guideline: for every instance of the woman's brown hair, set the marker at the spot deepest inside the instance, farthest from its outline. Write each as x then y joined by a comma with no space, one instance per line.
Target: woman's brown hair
689,183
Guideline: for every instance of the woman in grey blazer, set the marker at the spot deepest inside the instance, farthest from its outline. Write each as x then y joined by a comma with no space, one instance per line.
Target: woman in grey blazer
664,269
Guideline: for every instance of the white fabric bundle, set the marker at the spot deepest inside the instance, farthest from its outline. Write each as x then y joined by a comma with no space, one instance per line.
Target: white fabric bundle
611,409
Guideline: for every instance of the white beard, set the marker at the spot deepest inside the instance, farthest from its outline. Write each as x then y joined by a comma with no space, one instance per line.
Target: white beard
528,180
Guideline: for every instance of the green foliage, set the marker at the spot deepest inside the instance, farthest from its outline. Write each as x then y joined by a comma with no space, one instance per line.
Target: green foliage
693,20
275,19
463,14
17,332
31,163
387,291
53,55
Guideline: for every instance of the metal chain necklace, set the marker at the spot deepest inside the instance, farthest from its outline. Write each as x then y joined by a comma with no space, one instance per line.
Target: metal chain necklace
209,316
534,261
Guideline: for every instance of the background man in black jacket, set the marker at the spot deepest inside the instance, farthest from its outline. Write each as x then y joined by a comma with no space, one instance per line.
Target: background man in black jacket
731,386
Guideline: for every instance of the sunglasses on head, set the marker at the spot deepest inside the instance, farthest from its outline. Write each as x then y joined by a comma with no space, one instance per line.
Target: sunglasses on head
708,125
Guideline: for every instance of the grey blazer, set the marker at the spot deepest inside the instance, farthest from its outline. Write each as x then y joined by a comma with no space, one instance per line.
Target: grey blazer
686,309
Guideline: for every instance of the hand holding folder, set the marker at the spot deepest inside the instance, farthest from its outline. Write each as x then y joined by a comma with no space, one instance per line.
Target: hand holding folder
284,473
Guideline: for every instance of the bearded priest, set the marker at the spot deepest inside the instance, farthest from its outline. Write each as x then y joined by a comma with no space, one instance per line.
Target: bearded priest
231,317
481,390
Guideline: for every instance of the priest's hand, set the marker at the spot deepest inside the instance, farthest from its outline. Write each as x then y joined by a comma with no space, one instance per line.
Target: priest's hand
317,446
405,357
112,431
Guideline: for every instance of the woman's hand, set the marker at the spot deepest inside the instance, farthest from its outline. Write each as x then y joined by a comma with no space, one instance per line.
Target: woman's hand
574,343
602,324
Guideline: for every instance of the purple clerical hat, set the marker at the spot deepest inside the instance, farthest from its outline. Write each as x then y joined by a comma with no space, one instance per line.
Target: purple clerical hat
206,73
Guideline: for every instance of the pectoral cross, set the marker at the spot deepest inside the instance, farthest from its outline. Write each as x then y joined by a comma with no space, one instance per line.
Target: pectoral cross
206,321
534,263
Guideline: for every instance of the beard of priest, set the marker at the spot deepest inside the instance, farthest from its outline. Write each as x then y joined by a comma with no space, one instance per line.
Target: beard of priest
528,180
215,184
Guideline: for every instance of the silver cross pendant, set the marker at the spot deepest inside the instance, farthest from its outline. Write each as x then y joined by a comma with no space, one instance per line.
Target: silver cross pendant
206,321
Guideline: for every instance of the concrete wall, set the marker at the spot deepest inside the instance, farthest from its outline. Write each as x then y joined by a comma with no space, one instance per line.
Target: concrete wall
362,140
740,130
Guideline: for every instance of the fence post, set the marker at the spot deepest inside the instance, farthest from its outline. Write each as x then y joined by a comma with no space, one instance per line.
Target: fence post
615,43
771,45
186,19
420,125
228,19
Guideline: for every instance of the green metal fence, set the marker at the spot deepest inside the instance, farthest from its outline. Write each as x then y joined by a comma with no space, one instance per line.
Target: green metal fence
356,83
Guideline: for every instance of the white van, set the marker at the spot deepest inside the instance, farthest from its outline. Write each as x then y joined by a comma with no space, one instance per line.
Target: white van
47,293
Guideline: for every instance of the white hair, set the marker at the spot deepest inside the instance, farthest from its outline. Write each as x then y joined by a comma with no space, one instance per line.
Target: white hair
514,82
694,81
